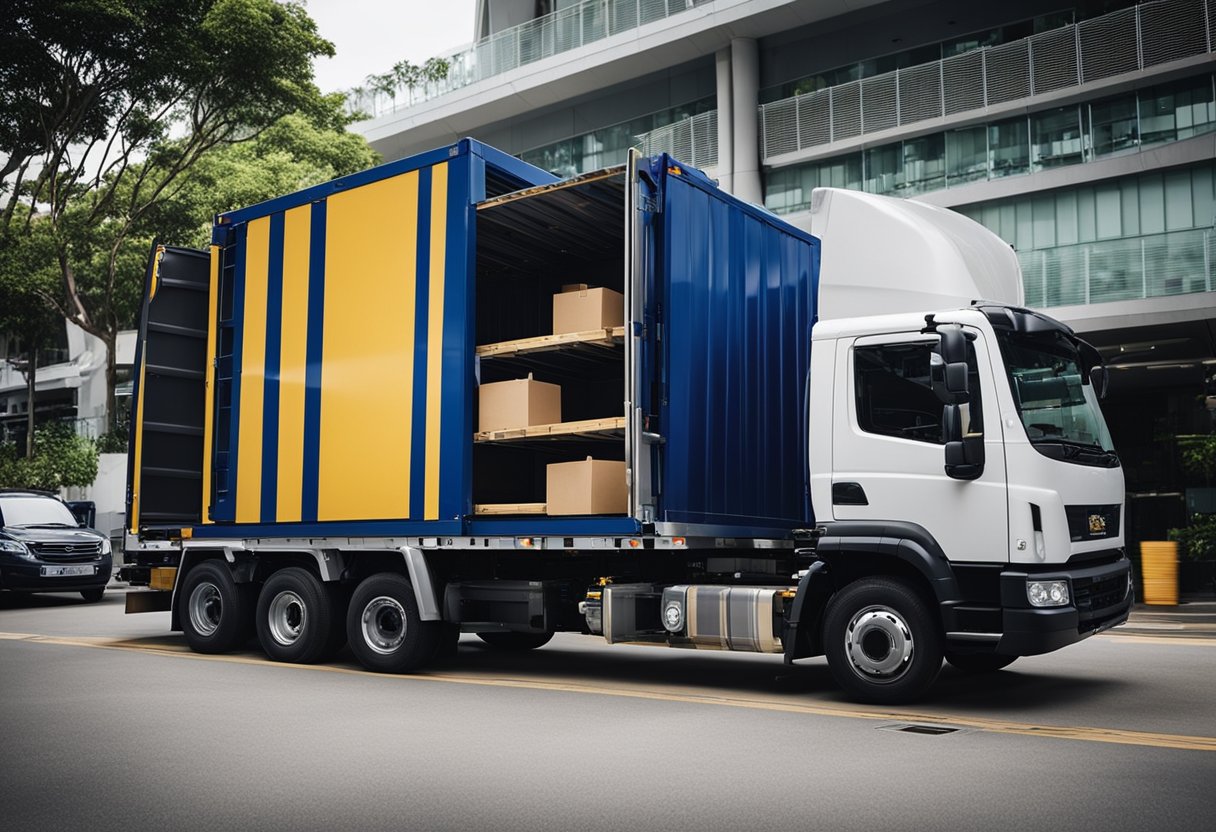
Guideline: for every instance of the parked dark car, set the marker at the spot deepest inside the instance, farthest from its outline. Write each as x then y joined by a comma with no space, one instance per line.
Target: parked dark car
43,548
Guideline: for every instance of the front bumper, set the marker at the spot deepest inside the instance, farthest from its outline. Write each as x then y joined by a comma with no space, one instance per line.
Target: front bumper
1101,598
27,576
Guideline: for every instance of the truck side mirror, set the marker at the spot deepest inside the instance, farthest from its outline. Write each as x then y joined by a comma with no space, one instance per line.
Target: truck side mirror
964,452
1099,378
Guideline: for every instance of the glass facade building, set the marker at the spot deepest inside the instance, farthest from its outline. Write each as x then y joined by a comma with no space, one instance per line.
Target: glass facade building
1040,141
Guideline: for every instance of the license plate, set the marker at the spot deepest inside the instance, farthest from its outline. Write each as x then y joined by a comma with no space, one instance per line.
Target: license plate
65,571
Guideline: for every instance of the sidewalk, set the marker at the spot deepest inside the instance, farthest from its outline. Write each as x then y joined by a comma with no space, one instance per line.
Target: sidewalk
1192,618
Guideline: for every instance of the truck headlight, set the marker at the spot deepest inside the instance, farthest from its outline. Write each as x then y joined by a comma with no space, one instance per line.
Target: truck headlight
17,548
1047,593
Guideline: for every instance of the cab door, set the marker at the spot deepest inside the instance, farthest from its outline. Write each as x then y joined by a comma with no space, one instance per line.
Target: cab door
889,457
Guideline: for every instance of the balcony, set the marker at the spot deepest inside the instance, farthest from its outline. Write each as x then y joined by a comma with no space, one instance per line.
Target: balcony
693,140
1130,268
1145,36
535,40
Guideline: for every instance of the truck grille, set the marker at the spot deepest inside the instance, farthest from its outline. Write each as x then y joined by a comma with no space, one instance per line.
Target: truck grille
66,552
1099,599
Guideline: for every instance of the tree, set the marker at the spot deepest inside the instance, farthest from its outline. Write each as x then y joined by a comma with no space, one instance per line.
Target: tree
123,99
295,152
61,459
26,280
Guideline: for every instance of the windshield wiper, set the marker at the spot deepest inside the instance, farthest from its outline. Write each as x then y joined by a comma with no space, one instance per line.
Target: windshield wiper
44,525
1072,449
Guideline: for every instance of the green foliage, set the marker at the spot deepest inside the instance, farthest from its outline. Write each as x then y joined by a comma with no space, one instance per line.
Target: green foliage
1198,455
1198,540
61,459
105,106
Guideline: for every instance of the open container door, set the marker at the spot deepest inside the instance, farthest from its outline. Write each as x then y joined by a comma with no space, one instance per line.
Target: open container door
737,288
538,249
165,464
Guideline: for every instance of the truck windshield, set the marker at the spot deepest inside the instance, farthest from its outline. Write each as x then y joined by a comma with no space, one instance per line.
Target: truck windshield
1057,403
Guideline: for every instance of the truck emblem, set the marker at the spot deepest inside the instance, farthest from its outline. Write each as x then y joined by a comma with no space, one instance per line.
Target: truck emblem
69,548
1097,524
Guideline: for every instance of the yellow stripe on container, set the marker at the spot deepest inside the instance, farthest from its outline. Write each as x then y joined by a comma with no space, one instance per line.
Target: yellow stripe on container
367,374
434,348
293,363
209,389
253,373
133,520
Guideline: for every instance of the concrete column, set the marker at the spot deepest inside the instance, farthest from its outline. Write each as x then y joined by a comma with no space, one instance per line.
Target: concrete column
745,96
726,126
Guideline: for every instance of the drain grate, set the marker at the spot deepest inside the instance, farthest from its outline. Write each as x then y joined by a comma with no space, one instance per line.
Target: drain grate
913,728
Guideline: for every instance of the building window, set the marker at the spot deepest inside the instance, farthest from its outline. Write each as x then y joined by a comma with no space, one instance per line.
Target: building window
1009,147
966,155
1177,111
1055,138
1114,125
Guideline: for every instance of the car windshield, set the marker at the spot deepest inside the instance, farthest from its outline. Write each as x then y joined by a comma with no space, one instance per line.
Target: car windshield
1057,403
33,510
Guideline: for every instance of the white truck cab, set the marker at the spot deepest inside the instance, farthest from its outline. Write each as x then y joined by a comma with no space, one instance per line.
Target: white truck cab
964,440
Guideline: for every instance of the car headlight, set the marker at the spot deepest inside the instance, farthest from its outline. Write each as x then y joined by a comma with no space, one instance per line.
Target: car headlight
106,548
1047,593
16,547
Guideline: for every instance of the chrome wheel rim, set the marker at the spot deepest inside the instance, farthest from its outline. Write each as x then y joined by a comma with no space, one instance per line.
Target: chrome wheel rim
206,607
287,618
384,624
879,644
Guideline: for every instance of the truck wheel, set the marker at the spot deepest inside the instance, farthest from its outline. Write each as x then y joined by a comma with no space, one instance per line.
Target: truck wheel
515,641
882,643
295,617
215,612
385,630
93,595
979,662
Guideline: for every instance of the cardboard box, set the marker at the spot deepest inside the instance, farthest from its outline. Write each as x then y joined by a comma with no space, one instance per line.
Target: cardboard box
518,404
579,309
593,486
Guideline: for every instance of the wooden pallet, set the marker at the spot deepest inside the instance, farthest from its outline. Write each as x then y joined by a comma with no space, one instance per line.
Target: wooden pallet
612,428
608,337
509,508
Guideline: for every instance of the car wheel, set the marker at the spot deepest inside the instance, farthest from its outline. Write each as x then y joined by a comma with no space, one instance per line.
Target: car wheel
214,612
93,595
882,642
515,641
295,617
384,628
979,662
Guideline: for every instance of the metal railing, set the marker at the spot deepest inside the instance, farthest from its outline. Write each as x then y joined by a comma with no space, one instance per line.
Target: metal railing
1124,41
526,43
1130,268
693,140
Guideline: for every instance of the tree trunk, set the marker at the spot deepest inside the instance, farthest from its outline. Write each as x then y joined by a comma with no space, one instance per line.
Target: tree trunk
31,376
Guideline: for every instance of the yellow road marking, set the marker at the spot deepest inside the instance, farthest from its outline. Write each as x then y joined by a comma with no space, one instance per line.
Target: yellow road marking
997,726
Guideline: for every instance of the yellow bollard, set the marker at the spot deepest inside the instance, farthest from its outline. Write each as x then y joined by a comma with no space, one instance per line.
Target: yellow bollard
1159,568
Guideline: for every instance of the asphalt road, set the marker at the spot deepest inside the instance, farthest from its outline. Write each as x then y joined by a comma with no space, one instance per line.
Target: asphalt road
107,721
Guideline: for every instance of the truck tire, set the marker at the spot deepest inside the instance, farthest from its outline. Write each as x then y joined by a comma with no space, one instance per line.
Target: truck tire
385,631
92,596
882,642
515,641
215,613
295,617
979,662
